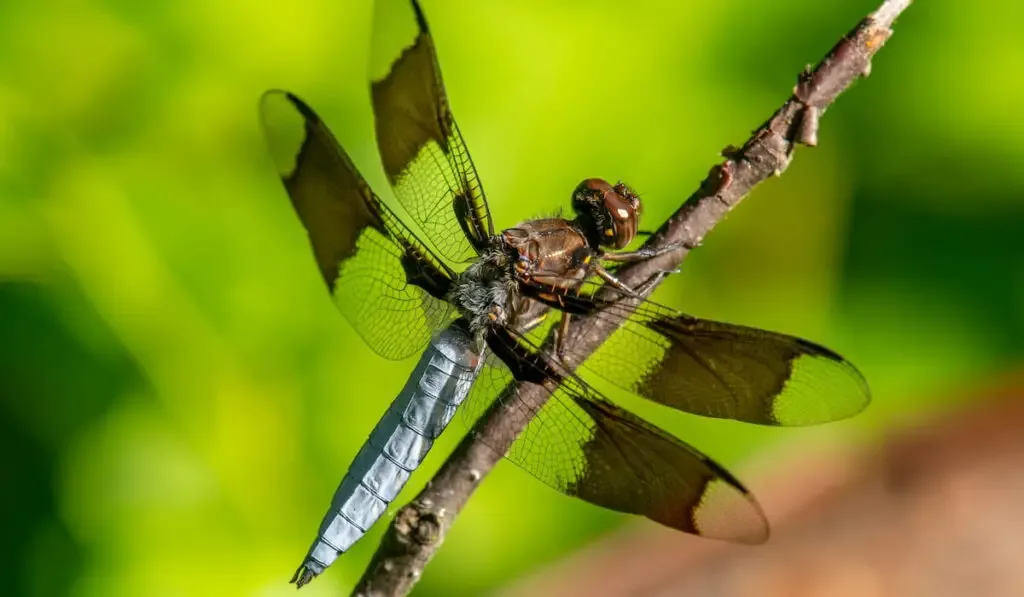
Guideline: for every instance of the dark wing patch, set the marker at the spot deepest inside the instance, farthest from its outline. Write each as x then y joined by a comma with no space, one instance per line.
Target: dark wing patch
761,376
584,446
384,280
424,155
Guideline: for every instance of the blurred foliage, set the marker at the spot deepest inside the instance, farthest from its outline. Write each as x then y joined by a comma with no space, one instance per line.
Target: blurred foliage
178,398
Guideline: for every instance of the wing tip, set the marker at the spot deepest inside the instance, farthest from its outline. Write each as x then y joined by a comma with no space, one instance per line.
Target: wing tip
272,95
764,530
421,19
265,105
302,107
729,511
845,382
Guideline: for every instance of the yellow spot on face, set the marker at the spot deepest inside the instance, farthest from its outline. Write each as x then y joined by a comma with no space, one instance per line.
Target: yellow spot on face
609,232
492,316
586,260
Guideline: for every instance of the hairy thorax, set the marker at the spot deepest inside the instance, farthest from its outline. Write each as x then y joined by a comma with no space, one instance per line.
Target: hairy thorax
487,290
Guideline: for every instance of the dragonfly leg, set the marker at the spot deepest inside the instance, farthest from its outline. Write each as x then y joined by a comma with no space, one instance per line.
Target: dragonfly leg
615,283
641,290
533,322
645,288
563,335
643,253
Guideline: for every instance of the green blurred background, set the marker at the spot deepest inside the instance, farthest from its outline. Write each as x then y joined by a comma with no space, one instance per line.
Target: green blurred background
178,397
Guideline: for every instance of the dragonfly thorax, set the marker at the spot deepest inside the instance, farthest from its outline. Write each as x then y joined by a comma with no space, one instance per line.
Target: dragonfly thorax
486,292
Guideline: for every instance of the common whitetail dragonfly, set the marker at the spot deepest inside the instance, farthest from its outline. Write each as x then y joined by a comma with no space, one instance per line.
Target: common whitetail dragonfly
470,300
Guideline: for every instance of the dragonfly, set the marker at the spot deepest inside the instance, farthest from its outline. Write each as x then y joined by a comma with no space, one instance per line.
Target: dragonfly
475,303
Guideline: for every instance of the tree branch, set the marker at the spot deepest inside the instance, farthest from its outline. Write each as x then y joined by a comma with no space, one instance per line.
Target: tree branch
420,527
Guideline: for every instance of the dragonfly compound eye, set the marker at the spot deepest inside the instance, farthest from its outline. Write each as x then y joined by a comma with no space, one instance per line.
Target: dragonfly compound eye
595,203
622,212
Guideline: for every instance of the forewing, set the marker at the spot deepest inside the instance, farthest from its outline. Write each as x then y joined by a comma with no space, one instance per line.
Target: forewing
581,444
722,370
423,153
366,256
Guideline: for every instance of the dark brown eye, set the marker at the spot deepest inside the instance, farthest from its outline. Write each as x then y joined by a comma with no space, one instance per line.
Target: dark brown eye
607,214
621,210
595,187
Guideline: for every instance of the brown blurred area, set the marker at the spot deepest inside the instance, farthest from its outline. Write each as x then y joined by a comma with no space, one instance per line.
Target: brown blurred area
936,509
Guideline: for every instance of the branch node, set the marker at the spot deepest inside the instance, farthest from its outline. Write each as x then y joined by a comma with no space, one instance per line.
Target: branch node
719,178
807,126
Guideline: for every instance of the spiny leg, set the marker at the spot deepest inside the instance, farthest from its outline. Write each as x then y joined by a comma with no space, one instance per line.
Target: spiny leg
638,292
646,287
530,313
529,324
561,335
643,253
615,282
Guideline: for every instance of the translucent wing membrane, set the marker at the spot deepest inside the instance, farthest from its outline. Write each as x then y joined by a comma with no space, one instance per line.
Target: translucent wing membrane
718,369
583,445
366,256
424,155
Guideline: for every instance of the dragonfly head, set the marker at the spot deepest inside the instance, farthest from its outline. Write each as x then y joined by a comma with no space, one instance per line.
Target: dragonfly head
608,214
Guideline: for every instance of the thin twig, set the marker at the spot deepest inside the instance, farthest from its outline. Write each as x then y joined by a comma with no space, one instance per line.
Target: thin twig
420,527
